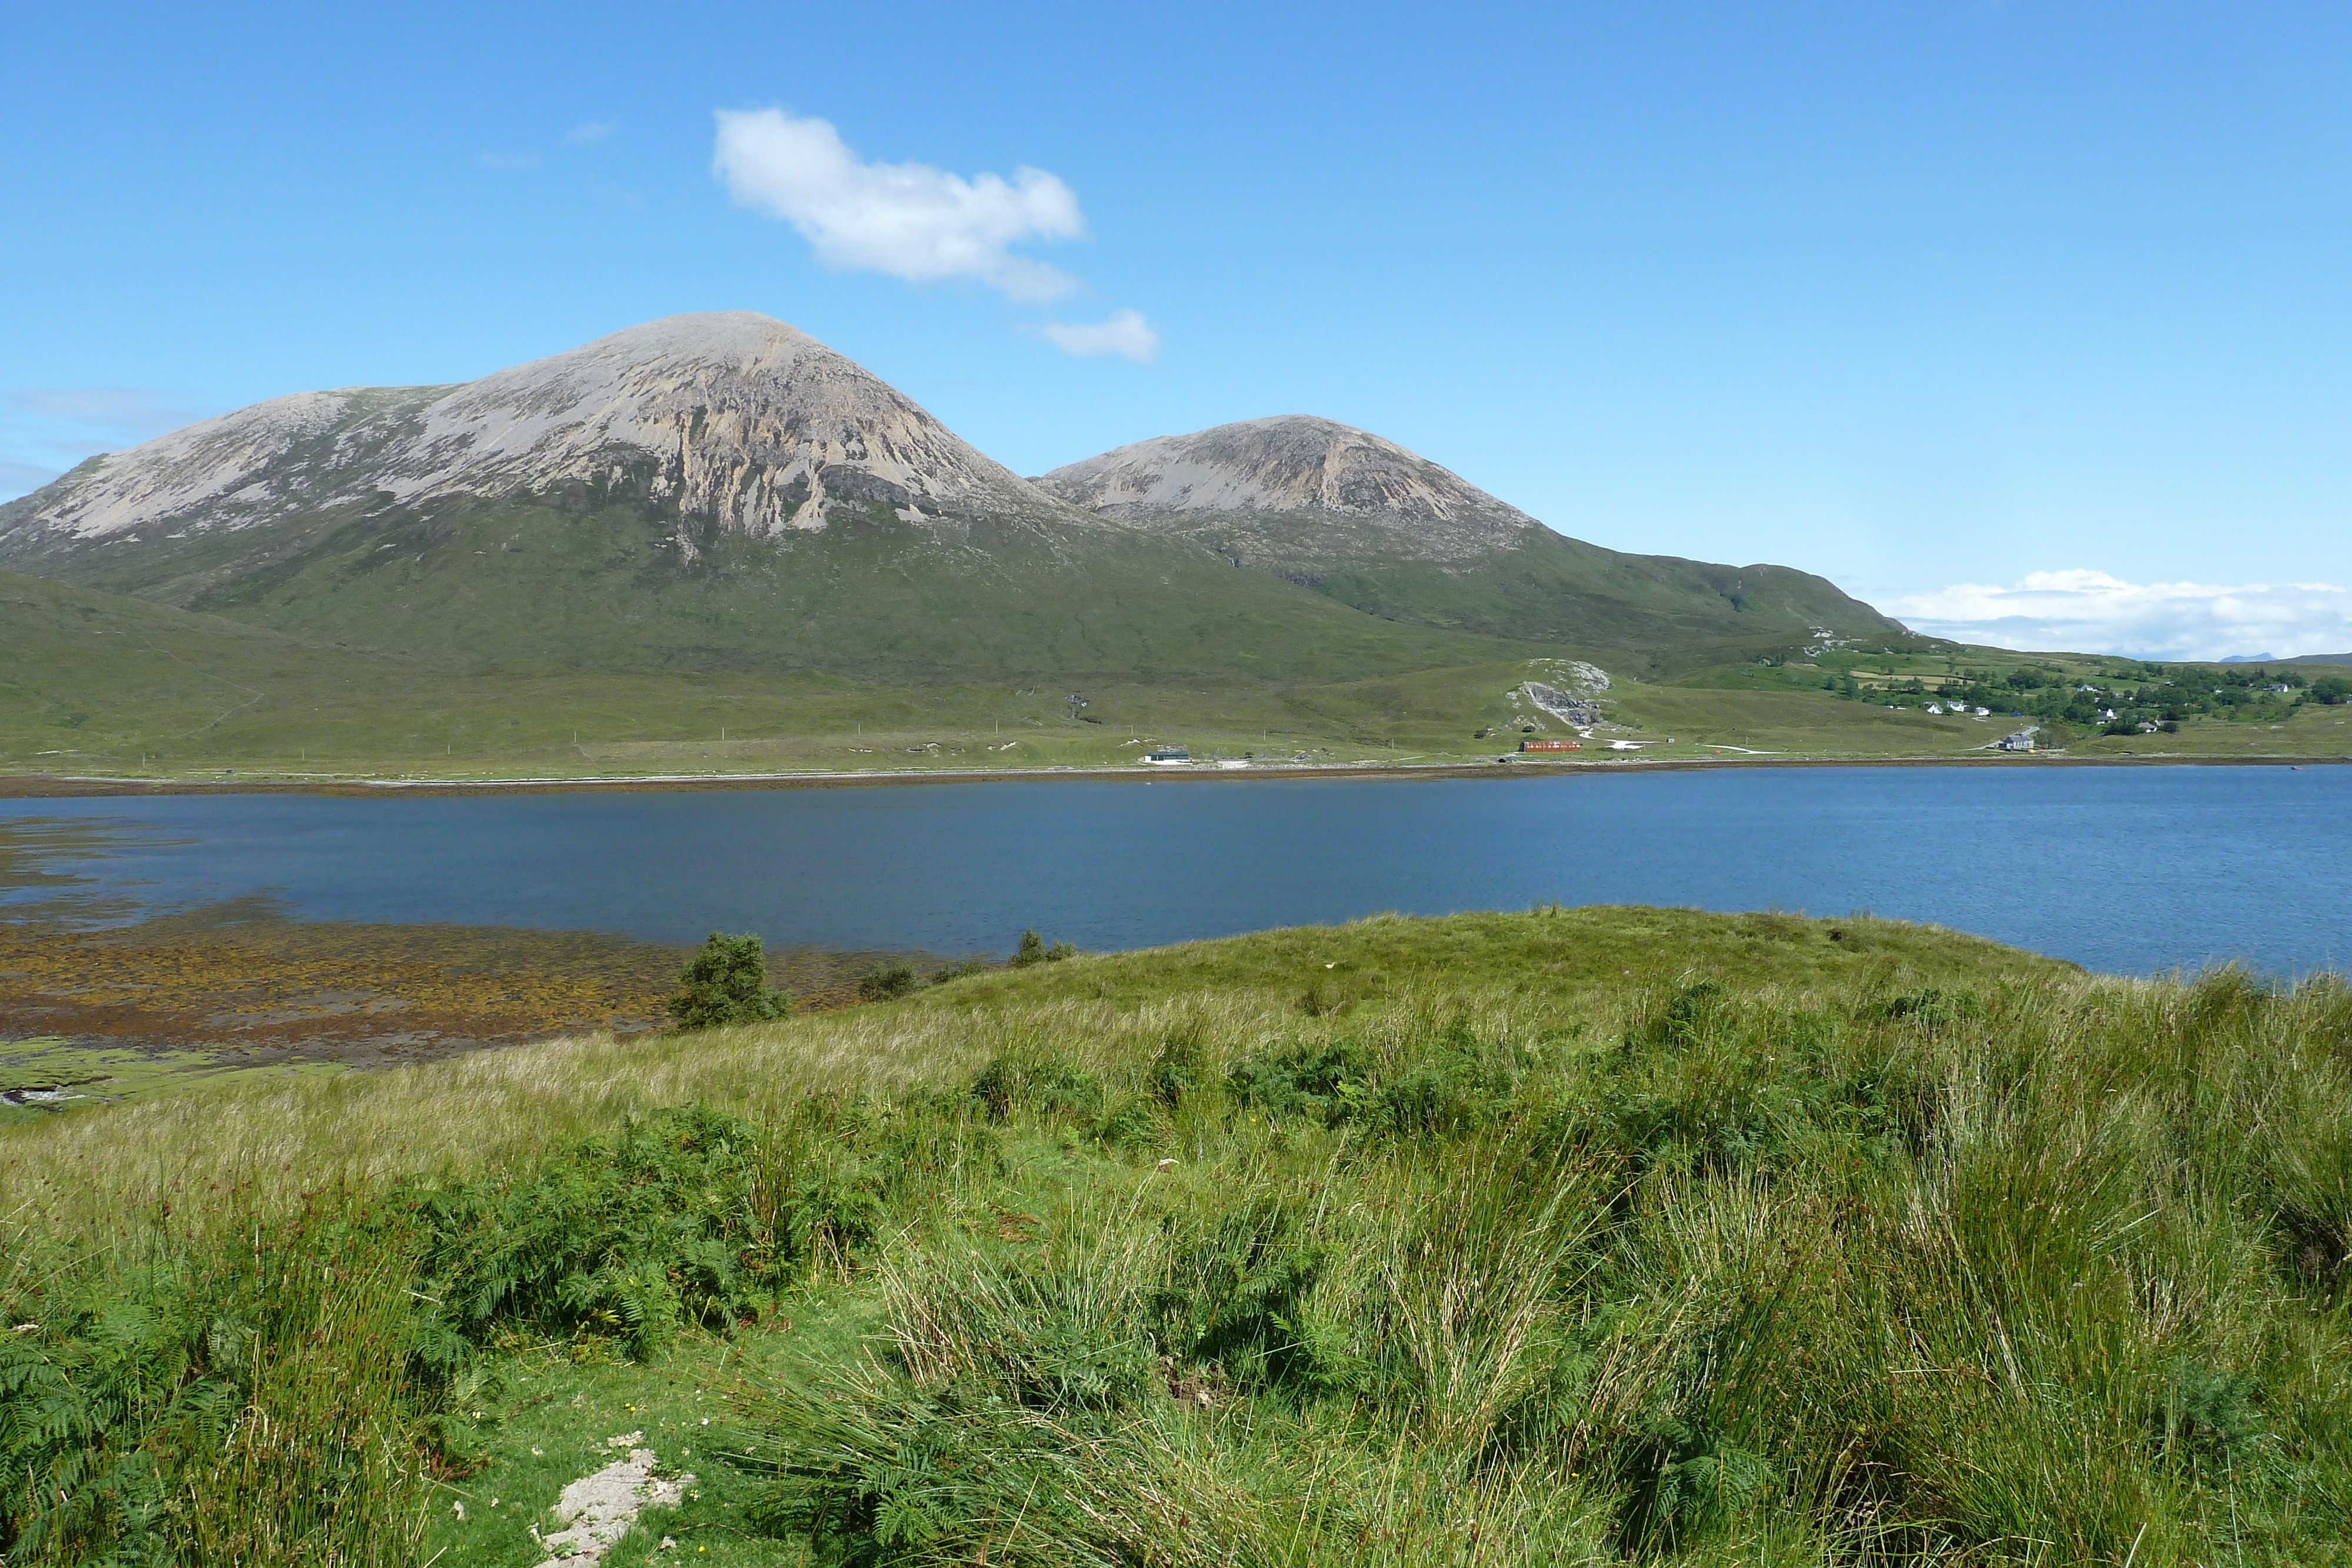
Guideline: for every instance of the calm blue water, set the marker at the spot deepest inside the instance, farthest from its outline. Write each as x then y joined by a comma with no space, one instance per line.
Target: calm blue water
2136,869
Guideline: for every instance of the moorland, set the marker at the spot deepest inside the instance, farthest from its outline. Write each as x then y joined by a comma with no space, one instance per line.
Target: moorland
1569,1236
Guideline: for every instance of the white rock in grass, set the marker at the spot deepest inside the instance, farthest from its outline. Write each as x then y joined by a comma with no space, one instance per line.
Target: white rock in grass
597,1510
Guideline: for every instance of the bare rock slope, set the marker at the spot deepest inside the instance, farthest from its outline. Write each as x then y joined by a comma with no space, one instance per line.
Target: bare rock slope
735,418
1297,466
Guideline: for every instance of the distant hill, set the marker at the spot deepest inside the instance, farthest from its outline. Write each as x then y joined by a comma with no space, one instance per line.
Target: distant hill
1364,521
2317,659
722,492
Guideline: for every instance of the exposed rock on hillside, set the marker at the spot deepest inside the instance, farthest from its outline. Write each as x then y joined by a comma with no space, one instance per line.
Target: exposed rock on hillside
1363,520
723,491
733,418
1296,465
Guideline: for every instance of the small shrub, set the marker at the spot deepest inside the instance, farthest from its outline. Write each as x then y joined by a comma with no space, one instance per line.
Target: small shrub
832,1210
883,1471
1032,950
726,983
625,1237
1234,1297
1448,1091
1329,1082
959,970
884,981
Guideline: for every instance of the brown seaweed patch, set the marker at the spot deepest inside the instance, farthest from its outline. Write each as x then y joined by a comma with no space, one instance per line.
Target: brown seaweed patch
240,978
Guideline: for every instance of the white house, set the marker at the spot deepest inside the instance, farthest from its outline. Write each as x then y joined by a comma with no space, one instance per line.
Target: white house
1174,757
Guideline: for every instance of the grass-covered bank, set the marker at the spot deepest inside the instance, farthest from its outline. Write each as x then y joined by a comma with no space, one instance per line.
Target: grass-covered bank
1569,1236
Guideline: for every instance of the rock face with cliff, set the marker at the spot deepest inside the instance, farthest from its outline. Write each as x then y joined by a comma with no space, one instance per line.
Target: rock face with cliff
1363,520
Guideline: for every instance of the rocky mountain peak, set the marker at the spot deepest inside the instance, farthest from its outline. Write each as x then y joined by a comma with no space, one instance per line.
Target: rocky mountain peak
1295,464
731,416
746,418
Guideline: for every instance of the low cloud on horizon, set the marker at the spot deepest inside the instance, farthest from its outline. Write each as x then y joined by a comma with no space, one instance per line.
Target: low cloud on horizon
2080,611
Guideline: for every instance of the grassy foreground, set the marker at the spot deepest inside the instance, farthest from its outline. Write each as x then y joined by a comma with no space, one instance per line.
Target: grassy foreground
1564,1236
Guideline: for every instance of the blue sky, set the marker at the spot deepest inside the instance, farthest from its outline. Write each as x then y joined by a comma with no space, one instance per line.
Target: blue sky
2028,320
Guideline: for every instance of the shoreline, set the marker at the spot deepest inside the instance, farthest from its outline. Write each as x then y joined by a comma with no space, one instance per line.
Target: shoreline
35,787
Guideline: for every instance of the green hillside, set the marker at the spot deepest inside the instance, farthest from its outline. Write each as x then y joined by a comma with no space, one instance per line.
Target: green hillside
1648,615
1570,1237
98,684
868,596
95,674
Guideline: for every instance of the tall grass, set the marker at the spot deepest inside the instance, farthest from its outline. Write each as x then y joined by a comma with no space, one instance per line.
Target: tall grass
2008,1267
2049,1274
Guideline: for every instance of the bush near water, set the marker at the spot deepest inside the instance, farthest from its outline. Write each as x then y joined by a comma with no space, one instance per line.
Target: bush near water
727,983
1575,1235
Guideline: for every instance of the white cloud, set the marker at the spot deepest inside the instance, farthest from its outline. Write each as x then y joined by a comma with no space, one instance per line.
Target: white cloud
594,131
2092,613
909,219
1126,333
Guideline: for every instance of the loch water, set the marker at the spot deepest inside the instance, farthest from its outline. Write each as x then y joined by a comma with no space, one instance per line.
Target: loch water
2134,869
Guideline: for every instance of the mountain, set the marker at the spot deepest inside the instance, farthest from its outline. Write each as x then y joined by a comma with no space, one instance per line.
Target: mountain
724,492
732,419
714,491
1364,521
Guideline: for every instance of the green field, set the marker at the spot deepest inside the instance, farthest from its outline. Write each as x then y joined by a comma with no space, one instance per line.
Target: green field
94,684
1575,1235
